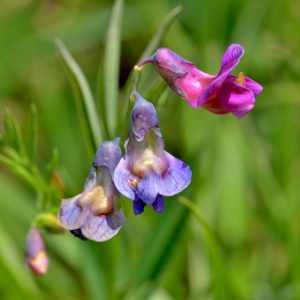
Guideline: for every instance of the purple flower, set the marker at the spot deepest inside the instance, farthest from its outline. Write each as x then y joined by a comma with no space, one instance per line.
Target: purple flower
220,94
146,172
36,253
94,214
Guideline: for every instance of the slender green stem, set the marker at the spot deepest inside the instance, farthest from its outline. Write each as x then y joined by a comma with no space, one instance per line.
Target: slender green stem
137,71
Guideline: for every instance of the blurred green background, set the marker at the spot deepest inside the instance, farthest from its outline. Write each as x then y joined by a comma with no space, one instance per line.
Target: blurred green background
246,172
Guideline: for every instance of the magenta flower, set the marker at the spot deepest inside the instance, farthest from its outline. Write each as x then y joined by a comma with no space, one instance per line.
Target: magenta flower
220,94
94,213
36,253
146,172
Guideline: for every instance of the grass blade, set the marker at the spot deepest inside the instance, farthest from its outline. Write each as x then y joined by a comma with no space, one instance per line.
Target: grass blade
164,236
33,134
167,21
17,133
221,289
23,173
111,66
9,129
84,99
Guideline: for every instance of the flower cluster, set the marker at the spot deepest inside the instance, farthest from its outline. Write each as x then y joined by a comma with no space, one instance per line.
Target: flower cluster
146,172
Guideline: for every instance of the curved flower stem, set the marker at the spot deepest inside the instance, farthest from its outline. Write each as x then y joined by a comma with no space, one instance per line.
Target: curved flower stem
218,273
137,71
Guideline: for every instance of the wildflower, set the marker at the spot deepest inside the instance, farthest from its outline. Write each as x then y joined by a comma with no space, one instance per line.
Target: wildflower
36,253
95,213
146,172
220,94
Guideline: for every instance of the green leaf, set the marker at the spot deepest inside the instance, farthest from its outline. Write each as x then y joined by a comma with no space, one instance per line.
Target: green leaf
23,173
86,107
164,97
111,67
100,99
33,134
17,133
154,42
9,129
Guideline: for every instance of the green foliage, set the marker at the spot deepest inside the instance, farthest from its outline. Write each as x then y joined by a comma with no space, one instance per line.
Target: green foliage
245,172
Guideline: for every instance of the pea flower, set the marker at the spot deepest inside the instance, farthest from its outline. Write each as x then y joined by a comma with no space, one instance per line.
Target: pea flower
147,173
95,213
36,253
220,94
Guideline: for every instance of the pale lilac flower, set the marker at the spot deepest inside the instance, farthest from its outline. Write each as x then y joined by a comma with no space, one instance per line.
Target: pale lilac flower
220,94
94,214
146,172
36,253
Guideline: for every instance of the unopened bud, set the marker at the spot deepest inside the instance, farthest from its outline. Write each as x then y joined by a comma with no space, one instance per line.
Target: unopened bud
36,253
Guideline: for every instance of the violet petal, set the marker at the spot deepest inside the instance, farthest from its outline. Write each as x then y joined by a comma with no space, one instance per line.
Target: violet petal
159,204
239,100
230,59
69,214
232,56
176,178
102,228
255,87
121,177
138,206
147,189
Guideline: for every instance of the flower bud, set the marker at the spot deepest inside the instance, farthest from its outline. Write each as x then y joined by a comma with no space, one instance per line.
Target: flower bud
36,253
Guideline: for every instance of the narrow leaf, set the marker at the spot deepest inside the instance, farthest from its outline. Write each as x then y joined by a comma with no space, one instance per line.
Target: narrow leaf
167,21
100,99
163,99
160,244
33,134
112,65
84,99
19,170
17,133
9,129
218,272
